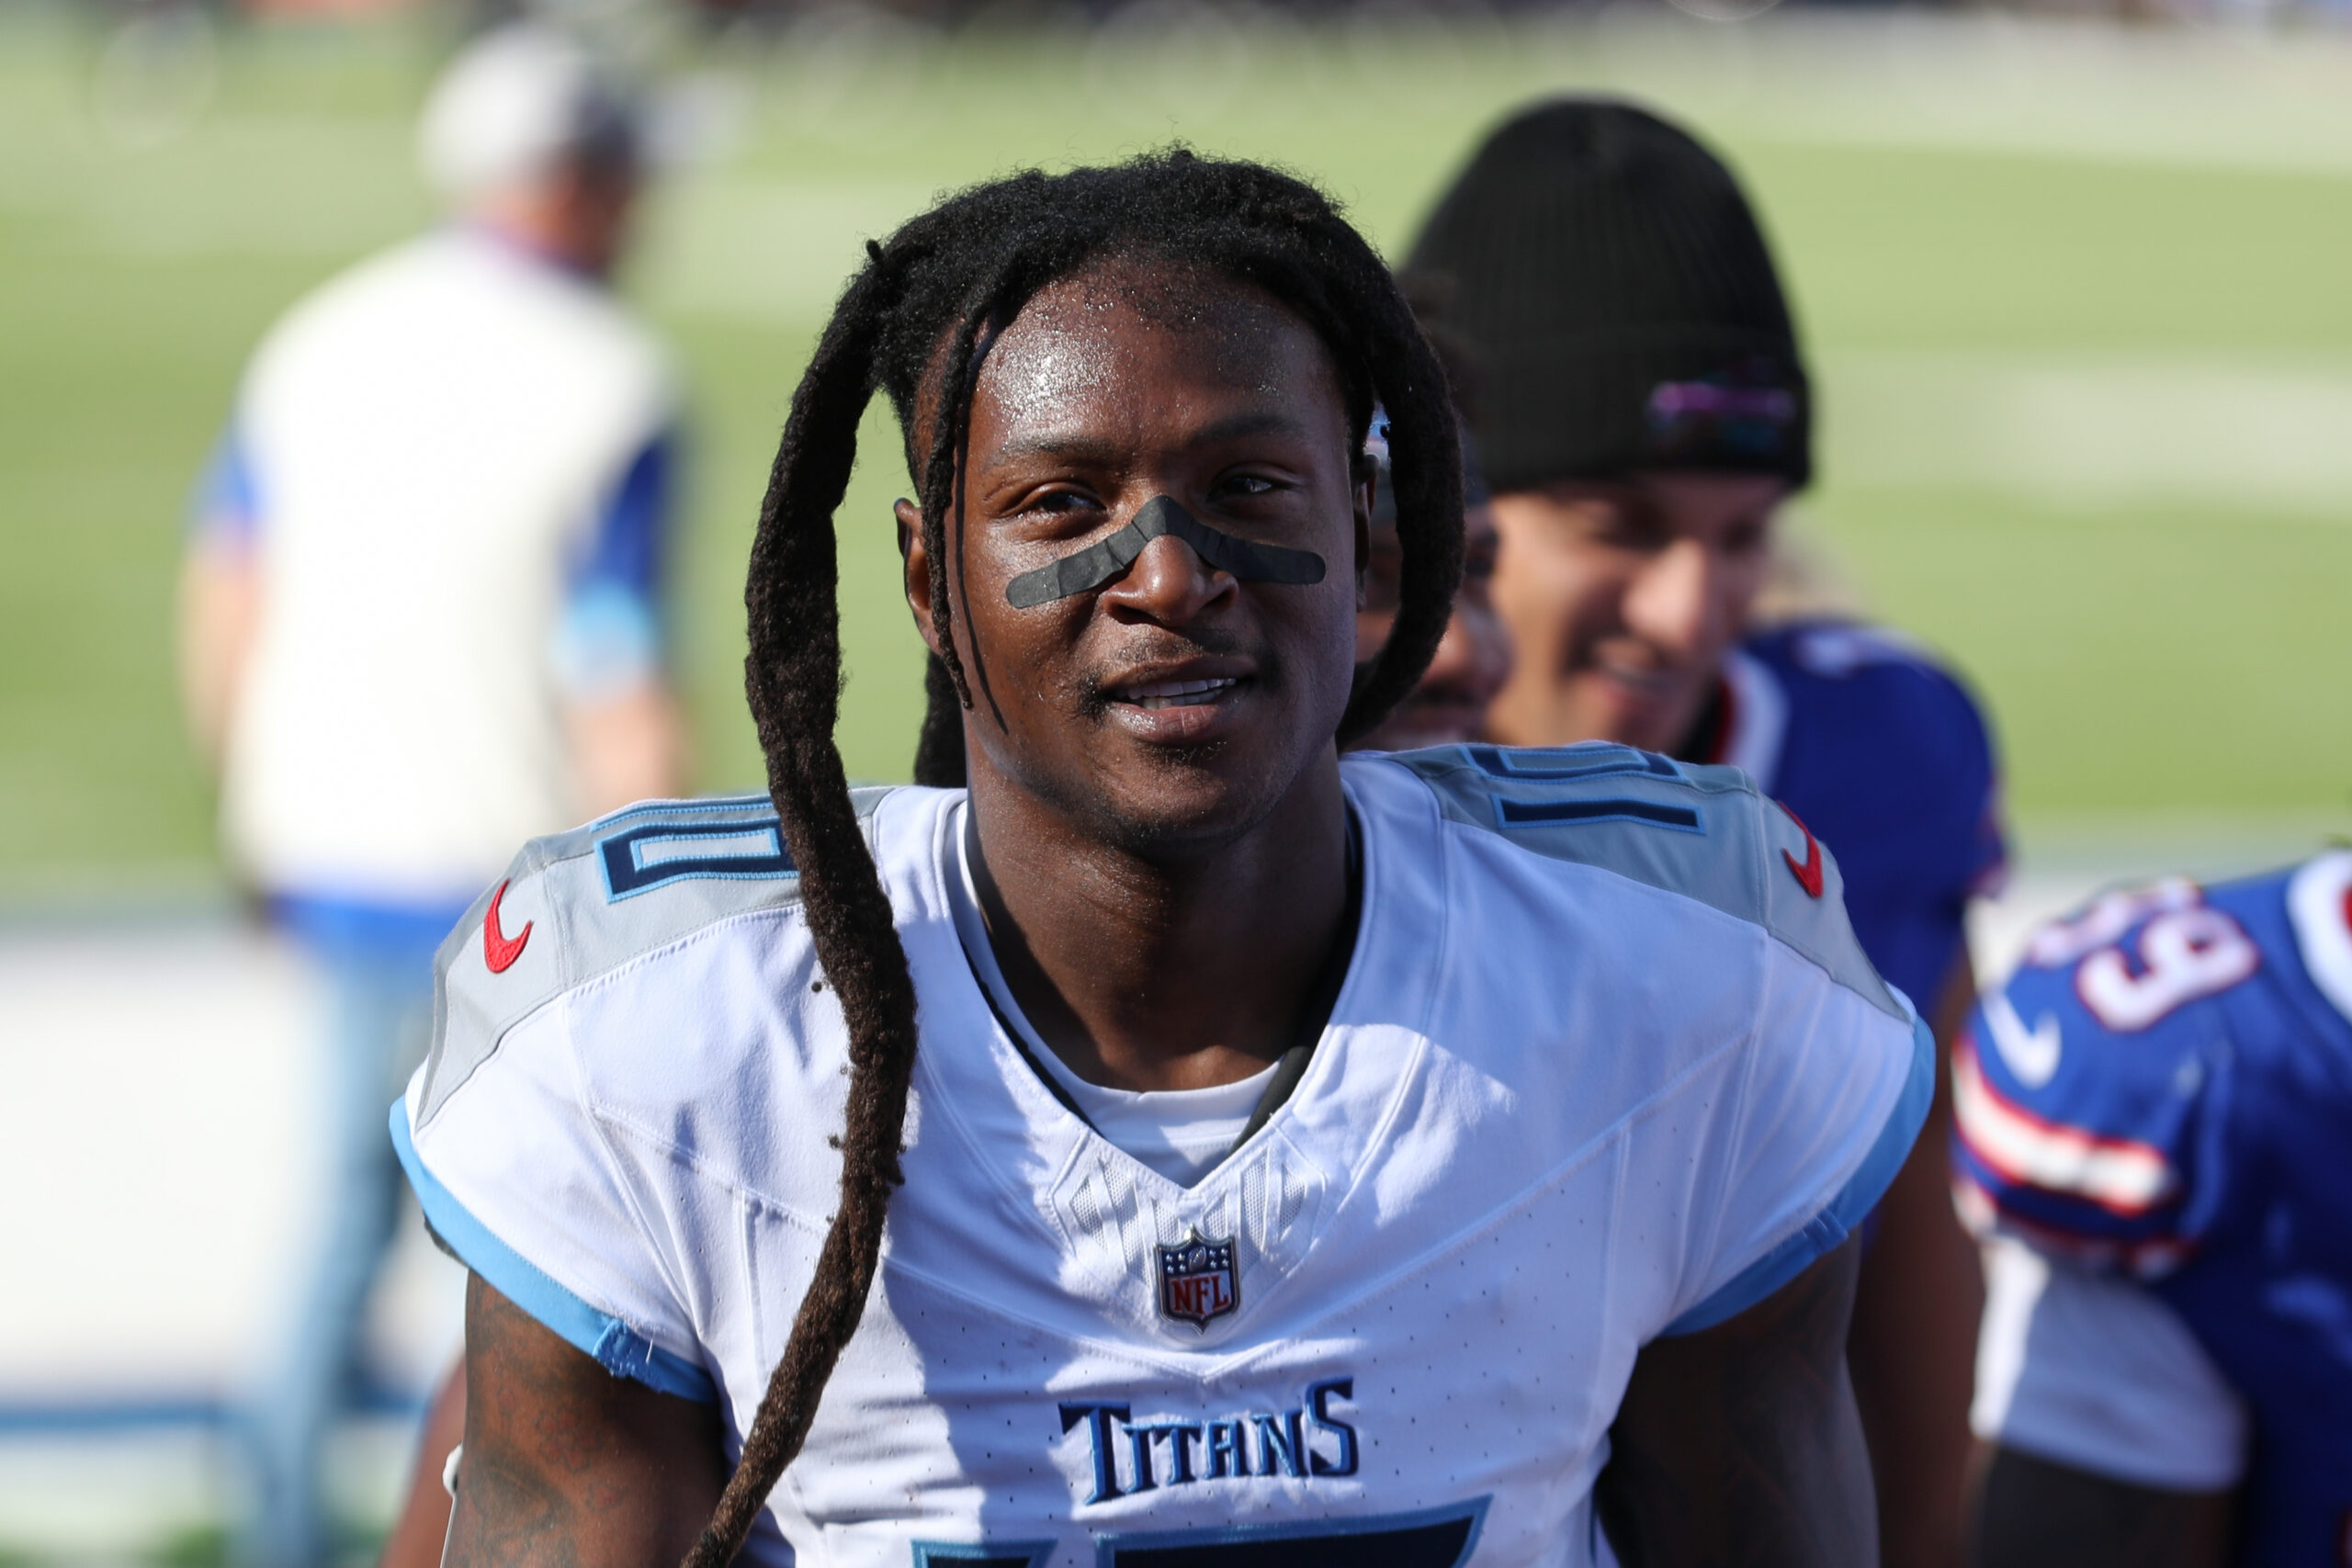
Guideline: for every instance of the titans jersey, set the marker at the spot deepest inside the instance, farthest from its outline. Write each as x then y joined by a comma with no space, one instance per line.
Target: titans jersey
1885,757
2162,1097
1606,1064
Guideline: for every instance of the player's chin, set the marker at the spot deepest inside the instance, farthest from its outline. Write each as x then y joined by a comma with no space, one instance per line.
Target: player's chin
1198,779
1650,713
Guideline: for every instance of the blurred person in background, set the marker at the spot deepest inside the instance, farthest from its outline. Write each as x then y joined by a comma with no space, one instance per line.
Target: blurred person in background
1643,412
422,622
1470,664
2165,1375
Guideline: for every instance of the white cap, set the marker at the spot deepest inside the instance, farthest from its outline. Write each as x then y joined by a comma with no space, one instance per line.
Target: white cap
517,101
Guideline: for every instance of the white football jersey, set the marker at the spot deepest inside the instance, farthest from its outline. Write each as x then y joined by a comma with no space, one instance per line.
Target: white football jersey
1606,1064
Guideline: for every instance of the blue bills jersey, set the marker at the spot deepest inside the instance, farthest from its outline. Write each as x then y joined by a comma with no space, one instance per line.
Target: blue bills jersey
1884,756
1606,1064
2162,1096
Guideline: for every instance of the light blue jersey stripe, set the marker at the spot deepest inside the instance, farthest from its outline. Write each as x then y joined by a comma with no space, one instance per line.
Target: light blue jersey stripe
1826,1230
615,1346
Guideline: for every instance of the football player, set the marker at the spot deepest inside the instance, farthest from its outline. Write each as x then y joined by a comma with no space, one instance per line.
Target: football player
2153,1113
1643,411
1246,1202
1447,706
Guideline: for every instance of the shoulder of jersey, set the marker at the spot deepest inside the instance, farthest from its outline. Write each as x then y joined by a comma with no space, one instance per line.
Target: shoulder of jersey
416,285
1844,650
2089,1090
582,320
1702,833
1912,700
577,905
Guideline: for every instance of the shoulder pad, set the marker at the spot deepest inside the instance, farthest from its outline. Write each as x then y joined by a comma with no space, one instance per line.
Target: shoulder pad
2086,1089
1836,650
577,905
1704,833
1900,682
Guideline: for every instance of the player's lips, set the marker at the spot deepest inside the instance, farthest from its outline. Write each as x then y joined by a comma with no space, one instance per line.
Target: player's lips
1648,682
1184,703
1177,694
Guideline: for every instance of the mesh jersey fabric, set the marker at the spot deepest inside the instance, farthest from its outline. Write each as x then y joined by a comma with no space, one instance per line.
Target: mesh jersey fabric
624,1130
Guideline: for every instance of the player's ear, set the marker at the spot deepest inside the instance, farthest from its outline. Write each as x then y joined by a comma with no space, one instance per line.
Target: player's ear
916,558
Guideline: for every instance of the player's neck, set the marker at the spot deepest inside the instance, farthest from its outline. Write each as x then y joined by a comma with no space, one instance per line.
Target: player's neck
1144,973
538,228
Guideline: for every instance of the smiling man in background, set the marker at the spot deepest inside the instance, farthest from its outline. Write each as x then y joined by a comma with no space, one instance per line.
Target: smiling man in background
1643,412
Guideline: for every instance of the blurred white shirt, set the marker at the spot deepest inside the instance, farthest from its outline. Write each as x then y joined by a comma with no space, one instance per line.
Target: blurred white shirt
2087,1369
451,461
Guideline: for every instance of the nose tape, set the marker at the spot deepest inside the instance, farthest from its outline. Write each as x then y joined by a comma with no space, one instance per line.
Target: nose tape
1108,560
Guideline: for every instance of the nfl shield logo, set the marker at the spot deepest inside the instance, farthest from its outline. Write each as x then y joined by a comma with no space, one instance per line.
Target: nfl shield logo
1198,1282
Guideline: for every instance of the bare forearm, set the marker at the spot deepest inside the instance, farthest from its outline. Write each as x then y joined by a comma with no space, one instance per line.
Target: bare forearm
2036,1513
1912,1356
508,1515
1913,1345
422,1527
220,606
566,1466
1742,1446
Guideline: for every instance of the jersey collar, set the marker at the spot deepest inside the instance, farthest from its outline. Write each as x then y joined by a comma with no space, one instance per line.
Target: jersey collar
984,1115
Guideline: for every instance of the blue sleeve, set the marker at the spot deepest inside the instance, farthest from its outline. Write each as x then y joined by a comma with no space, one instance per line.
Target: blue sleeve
2090,1093
226,506
611,634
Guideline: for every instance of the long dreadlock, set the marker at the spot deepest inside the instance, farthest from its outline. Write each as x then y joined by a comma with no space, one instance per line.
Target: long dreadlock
909,323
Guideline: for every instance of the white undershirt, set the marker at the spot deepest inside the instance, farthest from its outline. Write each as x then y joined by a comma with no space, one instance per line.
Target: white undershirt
2091,1371
1182,1133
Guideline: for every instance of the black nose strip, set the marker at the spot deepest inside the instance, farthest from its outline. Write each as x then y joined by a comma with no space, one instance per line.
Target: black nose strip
1107,561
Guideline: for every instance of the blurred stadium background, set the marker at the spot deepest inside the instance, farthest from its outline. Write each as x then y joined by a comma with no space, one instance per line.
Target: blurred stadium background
2076,286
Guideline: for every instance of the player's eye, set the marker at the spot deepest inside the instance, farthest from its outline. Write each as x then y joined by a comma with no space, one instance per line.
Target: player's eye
1746,537
1631,527
1060,503
1245,487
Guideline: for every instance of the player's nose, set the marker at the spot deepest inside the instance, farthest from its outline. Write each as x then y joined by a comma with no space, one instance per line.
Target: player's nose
1169,583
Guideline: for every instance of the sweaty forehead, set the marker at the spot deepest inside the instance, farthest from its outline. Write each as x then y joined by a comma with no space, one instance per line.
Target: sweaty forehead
1120,346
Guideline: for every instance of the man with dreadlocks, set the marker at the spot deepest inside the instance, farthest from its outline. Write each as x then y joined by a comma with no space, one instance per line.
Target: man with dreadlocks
1244,1202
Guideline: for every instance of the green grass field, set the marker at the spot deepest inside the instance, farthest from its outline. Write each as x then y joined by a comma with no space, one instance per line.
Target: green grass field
2079,302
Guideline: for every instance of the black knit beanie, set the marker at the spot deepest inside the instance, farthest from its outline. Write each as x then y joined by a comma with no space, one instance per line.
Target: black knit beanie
1611,281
